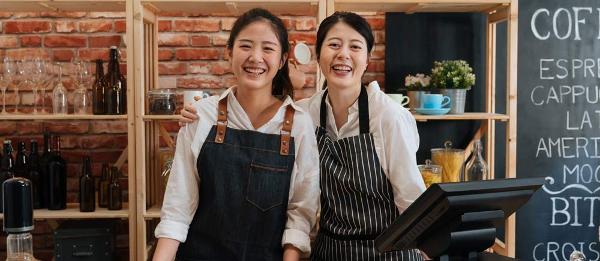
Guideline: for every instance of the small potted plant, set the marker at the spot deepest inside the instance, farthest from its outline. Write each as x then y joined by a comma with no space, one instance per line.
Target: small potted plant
453,78
416,86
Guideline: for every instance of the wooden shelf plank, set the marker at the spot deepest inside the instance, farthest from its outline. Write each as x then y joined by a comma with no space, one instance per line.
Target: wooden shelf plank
62,5
72,212
236,7
61,117
160,117
413,6
153,212
464,116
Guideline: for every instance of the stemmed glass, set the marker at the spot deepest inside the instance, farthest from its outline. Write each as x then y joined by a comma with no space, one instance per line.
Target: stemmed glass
10,73
38,76
81,100
59,95
3,87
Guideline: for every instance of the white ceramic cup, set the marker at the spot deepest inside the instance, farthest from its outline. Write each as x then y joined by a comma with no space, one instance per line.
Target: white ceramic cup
300,53
400,98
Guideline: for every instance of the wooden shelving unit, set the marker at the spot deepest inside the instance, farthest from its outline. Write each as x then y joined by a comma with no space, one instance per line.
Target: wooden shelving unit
496,11
129,211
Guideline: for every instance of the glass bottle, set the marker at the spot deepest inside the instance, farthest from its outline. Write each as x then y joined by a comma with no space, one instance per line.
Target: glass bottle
6,168
57,180
87,196
103,187
477,168
114,93
98,90
44,160
59,95
21,164
115,202
35,175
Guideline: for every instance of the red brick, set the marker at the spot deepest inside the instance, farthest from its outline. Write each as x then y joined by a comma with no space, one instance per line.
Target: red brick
197,25
8,128
170,126
378,52
303,93
63,55
65,41
29,127
197,54
201,40
227,23
69,142
66,27
5,14
307,37
220,68
205,81
92,26
31,41
172,69
8,42
106,15
199,67
306,24
94,54
99,156
19,27
220,39
173,40
165,55
289,23
68,127
120,26
310,81
377,23
379,37
376,66
63,14
164,25
104,41
379,77
22,53
26,15
103,141
109,127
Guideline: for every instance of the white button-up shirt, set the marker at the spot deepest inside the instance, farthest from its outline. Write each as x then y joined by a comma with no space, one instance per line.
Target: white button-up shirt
181,196
395,135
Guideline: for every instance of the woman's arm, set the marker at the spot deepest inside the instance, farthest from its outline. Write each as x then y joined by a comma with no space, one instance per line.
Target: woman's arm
165,249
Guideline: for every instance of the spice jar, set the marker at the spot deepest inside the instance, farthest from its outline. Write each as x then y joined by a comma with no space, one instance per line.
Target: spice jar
162,101
430,173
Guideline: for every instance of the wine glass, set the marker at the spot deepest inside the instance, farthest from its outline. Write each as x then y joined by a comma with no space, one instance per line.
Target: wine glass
59,94
3,87
38,76
81,100
9,76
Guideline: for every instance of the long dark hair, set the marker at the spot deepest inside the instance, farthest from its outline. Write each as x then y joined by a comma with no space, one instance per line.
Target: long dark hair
282,85
357,22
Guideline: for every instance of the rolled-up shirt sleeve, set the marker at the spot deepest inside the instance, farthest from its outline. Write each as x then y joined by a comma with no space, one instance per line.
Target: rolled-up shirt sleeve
181,195
304,190
401,140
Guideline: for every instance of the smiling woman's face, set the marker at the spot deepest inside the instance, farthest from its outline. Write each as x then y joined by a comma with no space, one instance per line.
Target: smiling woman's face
344,56
256,56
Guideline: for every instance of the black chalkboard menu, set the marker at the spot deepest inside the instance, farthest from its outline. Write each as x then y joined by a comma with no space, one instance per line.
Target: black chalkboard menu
559,128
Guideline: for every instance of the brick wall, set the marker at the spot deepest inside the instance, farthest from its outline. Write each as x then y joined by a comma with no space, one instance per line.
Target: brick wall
191,54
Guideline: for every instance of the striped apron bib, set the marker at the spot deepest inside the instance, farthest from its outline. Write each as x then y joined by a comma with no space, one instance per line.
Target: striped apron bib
357,200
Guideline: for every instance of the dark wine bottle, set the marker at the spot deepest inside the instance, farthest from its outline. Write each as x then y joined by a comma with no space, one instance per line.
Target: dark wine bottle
116,86
115,201
6,168
21,165
57,179
35,175
44,160
103,187
98,106
87,196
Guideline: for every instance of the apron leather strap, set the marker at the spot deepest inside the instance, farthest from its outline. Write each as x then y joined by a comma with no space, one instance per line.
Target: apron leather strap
221,120
286,130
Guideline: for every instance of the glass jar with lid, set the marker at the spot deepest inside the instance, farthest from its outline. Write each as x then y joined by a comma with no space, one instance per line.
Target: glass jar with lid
162,101
430,173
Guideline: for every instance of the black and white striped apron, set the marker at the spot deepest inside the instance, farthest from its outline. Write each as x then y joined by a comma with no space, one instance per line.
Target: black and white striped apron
357,201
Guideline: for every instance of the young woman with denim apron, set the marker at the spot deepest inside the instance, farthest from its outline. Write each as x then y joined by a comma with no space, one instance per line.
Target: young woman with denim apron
367,148
244,178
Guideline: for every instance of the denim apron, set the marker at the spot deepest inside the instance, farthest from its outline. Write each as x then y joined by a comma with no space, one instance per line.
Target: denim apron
244,187
357,200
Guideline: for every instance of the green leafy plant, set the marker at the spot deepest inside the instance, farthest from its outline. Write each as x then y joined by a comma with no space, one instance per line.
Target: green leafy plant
453,74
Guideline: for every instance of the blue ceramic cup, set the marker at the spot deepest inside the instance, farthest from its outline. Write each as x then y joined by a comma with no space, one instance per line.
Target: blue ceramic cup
434,101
